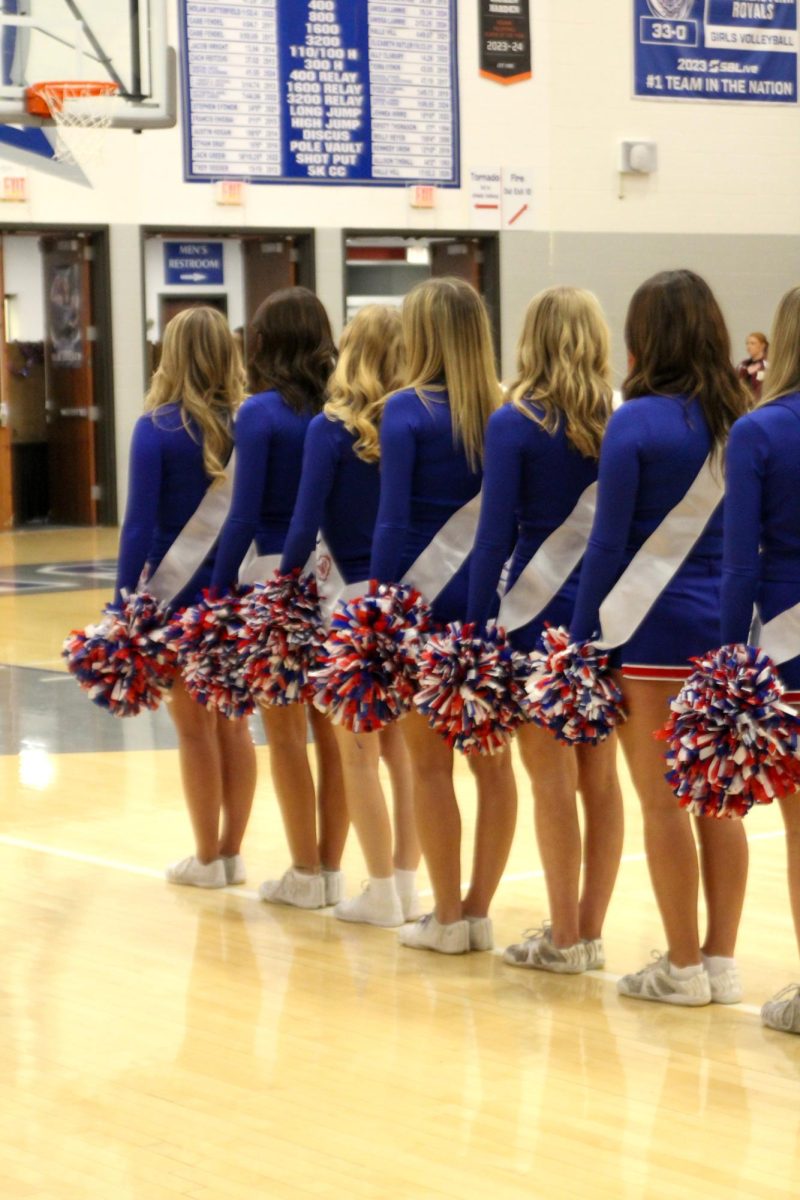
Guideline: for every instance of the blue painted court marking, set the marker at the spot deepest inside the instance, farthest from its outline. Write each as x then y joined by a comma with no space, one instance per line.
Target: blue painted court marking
32,578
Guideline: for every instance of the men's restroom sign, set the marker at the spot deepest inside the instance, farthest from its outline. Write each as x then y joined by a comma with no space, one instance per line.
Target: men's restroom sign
193,264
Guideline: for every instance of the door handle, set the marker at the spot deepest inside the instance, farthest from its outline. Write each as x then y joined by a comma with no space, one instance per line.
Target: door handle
91,413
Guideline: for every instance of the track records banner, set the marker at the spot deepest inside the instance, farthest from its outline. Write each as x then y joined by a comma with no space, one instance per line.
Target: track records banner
716,50
320,91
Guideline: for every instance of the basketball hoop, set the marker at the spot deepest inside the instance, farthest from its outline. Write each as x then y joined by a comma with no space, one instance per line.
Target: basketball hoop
81,113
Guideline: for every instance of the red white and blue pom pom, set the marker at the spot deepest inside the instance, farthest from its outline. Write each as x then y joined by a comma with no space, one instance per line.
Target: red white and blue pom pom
571,691
128,661
286,636
732,743
366,676
214,647
469,689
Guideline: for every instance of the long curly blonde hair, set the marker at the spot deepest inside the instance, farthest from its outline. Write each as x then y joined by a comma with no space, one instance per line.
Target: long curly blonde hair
201,370
563,366
370,356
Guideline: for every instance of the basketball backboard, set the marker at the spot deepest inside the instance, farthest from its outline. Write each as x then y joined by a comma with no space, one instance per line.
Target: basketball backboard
123,42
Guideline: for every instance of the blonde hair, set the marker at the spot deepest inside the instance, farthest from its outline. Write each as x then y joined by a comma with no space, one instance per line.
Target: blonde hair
563,366
448,342
201,370
370,353
783,372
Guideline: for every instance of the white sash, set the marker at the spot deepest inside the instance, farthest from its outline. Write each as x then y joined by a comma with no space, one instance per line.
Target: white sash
446,552
331,587
194,542
258,568
550,567
780,637
658,560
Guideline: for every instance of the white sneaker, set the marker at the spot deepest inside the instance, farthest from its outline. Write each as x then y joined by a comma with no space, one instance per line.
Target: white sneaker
595,954
782,1012
481,933
367,909
655,982
295,888
235,872
334,886
191,872
428,934
726,986
538,952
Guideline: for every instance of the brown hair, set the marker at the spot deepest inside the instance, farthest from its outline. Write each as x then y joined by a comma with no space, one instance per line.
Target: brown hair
679,343
201,370
761,337
293,351
783,372
448,343
370,354
563,367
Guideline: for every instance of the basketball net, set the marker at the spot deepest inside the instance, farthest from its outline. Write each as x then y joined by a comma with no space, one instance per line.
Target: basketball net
81,115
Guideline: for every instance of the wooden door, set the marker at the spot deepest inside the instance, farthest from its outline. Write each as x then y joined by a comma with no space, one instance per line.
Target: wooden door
6,468
69,380
461,257
269,264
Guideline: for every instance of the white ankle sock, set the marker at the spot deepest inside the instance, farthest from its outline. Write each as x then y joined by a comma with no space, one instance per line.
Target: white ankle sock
383,890
405,881
717,964
686,972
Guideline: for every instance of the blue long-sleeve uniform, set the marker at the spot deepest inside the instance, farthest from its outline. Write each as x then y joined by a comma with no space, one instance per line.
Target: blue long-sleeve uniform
338,495
425,479
652,451
533,479
268,439
761,559
167,481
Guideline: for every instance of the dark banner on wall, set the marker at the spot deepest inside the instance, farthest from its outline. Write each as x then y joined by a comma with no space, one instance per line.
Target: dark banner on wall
744,50
321,91
505,50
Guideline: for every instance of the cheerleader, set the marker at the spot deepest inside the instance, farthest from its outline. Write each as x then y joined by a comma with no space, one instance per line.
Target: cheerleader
289,369
432,436
761,562
538,499
178,455
650,585
338,496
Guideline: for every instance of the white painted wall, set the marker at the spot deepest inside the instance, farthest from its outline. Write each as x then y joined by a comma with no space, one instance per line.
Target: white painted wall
721,166
22,266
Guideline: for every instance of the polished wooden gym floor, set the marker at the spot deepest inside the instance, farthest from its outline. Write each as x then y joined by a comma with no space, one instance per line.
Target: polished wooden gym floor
161,1042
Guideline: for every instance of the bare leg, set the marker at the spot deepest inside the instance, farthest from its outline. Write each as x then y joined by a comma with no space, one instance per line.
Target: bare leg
360,753
201,772
285,727
332,816
238,759
723,866
603,828
438,818
551,767
790,807
407,852
669,844
497,818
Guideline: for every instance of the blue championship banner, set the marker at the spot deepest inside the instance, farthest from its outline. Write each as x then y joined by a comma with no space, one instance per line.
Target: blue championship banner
743,50
320,91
